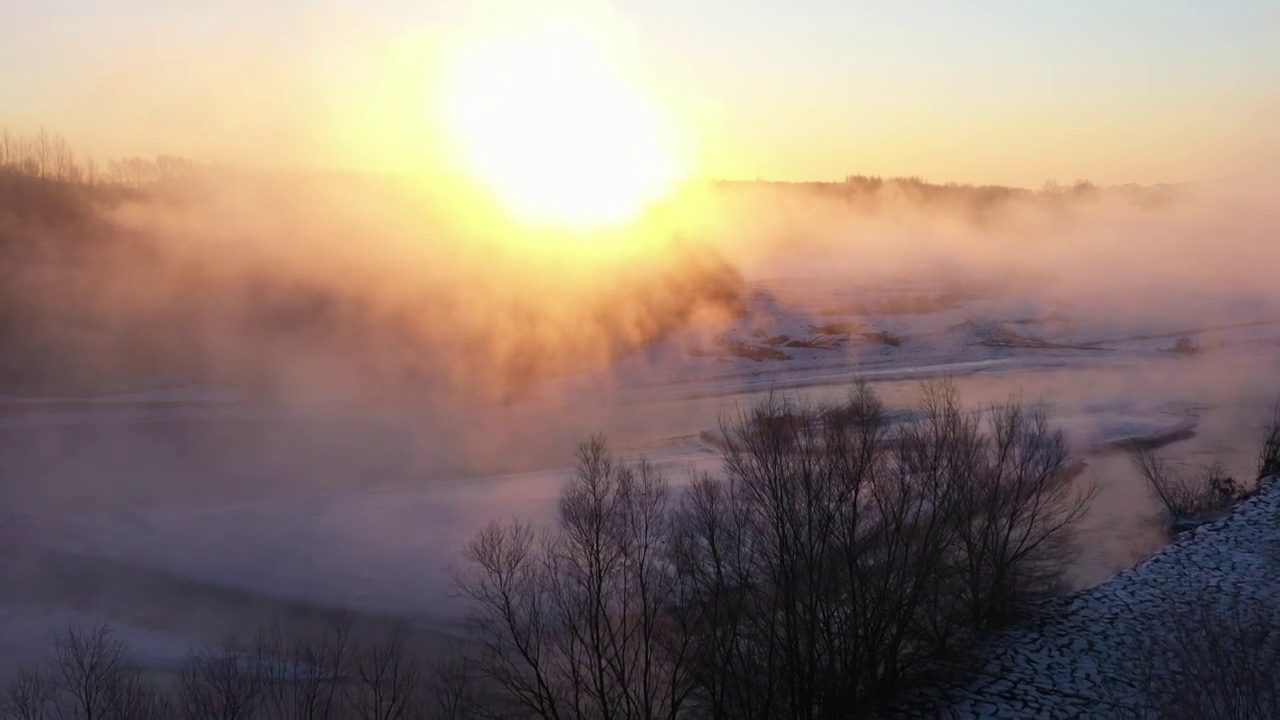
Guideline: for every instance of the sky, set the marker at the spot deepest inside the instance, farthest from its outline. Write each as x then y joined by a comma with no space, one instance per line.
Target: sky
999,91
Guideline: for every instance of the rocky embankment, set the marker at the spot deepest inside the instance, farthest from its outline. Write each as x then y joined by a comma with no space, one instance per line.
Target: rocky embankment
1081,657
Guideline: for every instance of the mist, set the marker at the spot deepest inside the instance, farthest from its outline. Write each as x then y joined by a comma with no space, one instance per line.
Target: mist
326,319
196,355
271,277
307,288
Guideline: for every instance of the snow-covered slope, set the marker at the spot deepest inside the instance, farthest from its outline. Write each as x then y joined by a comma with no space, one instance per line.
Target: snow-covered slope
1080,657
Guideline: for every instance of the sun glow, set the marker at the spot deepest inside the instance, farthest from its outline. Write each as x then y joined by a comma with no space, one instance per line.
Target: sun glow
555,130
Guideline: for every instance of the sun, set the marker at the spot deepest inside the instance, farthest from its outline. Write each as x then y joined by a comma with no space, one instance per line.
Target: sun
549,124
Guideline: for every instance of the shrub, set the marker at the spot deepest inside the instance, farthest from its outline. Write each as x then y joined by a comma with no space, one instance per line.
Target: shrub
1186,499
1214,663
884,337
1269,455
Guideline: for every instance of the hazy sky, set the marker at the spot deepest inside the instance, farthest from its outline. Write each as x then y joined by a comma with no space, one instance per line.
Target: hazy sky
1012,91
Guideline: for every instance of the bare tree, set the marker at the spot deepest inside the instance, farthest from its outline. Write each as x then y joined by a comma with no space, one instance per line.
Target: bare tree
715,564
8,148
62,167
449,693
511,624
302,673
577,623
170,167
131,697
132,172
843,556
845,553
386,678
90,172
821,561
218,685
41,154
1017,507
840,557
31,695
87,665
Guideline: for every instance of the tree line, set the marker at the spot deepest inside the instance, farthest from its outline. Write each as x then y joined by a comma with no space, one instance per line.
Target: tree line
49,157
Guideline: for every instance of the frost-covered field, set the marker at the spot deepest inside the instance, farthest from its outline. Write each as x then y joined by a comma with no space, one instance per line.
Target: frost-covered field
182,512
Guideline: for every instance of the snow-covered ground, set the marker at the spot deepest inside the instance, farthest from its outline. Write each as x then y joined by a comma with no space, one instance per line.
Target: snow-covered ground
1079,658
217,493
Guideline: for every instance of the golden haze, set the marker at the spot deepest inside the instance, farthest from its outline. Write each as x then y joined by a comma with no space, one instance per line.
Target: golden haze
546,121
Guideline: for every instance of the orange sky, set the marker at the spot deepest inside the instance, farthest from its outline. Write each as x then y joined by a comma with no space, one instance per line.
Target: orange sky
1005,92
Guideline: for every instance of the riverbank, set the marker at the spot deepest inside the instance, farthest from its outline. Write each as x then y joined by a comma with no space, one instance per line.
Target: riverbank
1083,655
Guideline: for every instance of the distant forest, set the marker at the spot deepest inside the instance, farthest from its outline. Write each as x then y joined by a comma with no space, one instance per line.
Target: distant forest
977,203
50,158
